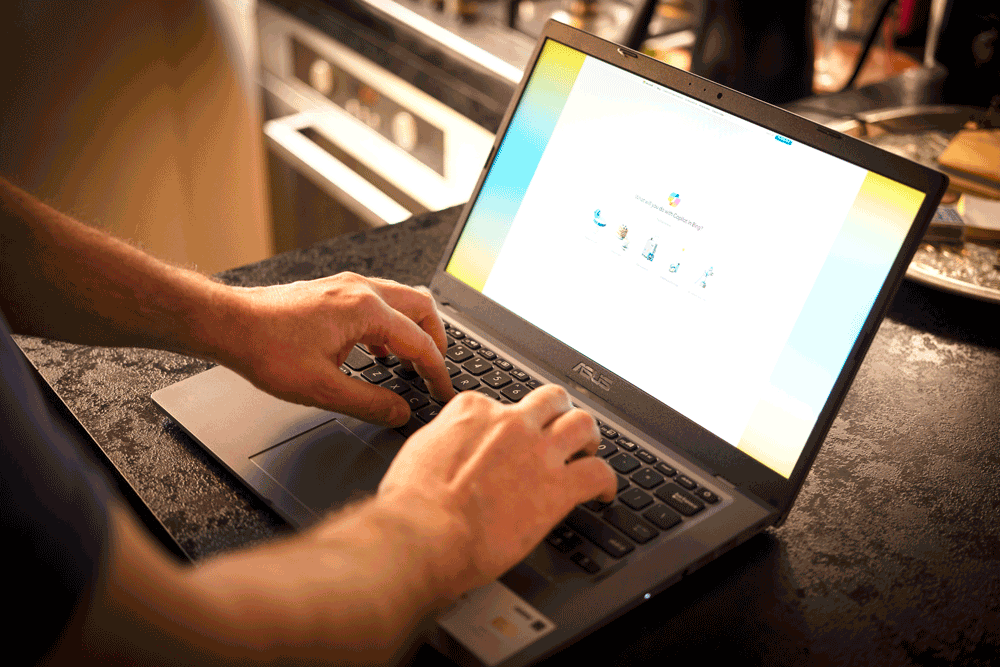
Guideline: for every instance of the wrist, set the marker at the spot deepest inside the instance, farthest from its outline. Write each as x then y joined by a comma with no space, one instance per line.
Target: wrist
219,323
434,543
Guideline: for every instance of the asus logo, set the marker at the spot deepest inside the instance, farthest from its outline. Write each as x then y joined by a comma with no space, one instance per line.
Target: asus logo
602,381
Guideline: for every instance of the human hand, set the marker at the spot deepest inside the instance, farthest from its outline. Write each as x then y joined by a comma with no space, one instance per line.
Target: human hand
505,474
292,339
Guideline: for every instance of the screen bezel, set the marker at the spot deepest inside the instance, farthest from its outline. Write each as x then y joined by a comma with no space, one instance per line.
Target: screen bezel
634,406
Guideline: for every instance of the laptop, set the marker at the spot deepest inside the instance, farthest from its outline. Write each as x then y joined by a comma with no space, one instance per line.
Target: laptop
703,272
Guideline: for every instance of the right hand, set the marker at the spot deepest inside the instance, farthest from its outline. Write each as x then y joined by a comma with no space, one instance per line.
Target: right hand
503,475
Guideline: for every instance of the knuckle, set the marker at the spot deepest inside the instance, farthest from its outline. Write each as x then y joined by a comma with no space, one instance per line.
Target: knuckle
470,400
582,421
556,390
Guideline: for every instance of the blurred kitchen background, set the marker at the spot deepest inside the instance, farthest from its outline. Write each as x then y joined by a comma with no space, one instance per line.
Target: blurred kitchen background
218,133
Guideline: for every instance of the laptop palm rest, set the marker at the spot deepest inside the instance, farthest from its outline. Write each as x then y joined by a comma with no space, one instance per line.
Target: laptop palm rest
325,467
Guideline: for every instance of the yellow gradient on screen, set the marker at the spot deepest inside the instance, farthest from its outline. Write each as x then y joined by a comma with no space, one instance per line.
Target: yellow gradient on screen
839,302
517,158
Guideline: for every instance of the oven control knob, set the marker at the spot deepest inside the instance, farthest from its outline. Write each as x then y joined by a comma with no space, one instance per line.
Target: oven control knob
404,130
321,76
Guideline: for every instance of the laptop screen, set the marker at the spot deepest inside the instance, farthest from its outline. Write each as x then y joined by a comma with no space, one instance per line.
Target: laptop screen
721,268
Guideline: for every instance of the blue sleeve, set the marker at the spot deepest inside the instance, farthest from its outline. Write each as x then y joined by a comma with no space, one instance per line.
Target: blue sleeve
52,510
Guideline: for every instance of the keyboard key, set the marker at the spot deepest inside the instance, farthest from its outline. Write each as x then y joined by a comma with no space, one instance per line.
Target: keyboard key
564,539
596,505
645,457
376,374
416,400
629,523
707,495
622,483
519,375
389,362
586,563
624,463
679,499
407,374
451,341
599,533
472,344
497,379
686,482
464,382
662,517
489,355
609,432
503,365
667,471
420,385
515,392
647,478
532,384
428,413
452,368
397,385
606,449
477,366
460,354
626,444
345,370
636,498
358,360
457,334
489,392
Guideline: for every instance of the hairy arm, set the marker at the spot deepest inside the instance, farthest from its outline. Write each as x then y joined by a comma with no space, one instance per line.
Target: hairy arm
65,280
68,281
467,497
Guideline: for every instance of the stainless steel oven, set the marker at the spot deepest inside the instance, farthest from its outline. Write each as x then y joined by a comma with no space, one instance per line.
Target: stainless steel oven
353,144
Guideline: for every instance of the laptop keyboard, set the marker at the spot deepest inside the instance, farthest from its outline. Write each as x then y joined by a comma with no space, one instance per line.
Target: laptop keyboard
653,496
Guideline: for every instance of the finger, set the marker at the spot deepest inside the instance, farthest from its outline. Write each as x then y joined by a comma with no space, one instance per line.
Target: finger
367,401
411,344
591,478
379,351
574,433
545,404
418,305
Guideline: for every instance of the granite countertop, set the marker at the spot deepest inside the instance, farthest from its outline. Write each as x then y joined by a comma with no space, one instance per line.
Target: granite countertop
890,556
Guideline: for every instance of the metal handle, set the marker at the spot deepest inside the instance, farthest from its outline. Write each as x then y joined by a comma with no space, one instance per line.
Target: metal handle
330,174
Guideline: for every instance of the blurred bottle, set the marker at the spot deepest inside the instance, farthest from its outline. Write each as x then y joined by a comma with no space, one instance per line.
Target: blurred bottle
757,48
831,18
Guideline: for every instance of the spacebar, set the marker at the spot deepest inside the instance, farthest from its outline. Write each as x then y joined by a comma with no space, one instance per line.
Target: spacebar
598,532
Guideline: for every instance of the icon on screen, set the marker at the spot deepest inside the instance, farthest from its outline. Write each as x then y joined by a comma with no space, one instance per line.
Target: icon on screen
674,199
623,235
649,250
703,281
598,220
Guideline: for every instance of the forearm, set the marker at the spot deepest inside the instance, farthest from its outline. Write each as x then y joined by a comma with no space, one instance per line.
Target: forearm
352,591
65,280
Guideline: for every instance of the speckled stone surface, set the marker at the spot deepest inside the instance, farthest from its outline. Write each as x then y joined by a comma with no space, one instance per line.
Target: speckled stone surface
890,556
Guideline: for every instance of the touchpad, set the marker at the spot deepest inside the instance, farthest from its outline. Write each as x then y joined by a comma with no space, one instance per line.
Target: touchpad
324,467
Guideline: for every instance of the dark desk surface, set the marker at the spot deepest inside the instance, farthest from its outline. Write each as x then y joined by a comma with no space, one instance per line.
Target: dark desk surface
891,555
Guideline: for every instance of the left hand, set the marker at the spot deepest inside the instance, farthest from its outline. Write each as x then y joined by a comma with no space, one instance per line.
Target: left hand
290,340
